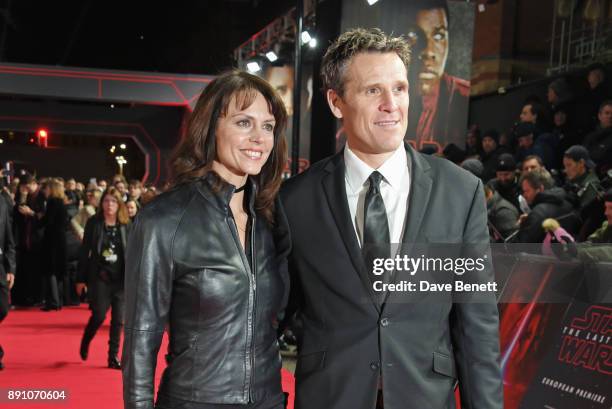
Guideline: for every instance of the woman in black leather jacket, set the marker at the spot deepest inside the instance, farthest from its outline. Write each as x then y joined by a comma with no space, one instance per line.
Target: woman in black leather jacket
102,267
207,259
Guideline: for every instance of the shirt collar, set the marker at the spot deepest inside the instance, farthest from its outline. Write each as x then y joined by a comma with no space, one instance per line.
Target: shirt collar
393,170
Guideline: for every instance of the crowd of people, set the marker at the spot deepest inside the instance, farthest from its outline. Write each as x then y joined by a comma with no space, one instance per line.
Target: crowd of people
555,163
59,232
48,218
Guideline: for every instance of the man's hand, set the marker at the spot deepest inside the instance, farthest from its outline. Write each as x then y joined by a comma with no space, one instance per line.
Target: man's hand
10,278
80,287
25,210
521,219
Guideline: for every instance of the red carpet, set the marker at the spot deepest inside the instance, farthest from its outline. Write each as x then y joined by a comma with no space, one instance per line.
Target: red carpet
41,352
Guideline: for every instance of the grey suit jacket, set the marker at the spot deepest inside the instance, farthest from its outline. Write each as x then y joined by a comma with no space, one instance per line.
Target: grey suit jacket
352,342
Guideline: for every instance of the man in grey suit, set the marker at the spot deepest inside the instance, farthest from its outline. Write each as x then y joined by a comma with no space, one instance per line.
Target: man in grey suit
366,349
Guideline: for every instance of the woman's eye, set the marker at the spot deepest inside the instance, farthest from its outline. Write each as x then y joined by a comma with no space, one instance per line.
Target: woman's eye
269,127
372,91
244,123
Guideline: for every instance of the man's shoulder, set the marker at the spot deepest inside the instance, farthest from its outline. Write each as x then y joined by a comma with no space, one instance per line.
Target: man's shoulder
449,174
307,179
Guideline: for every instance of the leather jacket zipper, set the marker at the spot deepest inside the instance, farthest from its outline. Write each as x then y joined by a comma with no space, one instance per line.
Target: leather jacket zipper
249,359
254,310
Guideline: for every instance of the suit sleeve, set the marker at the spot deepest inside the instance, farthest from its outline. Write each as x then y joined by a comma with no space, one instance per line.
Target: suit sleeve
295,297
148,290
475,324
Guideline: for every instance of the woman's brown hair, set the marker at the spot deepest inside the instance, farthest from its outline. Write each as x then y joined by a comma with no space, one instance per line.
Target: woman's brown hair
194,156
122,213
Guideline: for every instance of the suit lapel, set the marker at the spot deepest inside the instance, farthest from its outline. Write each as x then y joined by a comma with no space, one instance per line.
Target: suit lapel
335,191
418,198
420,191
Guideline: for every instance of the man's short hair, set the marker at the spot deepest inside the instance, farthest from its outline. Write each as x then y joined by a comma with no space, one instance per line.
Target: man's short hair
605,104
536,157
597,66
353,42
136,182
538,179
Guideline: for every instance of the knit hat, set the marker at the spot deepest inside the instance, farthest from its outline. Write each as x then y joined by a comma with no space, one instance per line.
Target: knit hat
473,166
493,134
506,162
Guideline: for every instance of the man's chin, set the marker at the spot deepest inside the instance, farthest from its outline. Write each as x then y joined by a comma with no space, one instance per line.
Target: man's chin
426,86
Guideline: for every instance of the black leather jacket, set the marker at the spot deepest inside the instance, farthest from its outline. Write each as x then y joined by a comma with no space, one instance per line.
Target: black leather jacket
186,268
88,268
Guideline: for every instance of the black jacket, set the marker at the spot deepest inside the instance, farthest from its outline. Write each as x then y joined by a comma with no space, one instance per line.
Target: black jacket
55,223
89,254
502,216
186,269
551,203
7,243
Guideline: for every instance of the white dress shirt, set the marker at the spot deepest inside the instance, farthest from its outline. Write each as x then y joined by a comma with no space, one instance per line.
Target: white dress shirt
394,189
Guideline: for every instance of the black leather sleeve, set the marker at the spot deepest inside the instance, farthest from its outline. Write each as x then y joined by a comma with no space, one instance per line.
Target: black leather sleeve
148,290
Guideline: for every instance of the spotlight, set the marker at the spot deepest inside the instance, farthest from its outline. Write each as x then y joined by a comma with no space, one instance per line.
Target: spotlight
112,106
1,141
306,37
122,146
271,55
312,43
370,2
253,67
112,149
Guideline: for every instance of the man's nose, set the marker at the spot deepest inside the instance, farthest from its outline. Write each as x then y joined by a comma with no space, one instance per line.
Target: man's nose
389,101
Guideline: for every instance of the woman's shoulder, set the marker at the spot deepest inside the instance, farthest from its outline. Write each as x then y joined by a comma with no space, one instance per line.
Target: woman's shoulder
168,204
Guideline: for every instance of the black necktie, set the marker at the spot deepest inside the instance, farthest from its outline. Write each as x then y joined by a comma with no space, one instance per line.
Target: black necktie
375,227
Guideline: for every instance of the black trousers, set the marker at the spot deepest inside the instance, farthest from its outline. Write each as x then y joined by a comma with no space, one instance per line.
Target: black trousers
164,402
4,301
104,295
4,295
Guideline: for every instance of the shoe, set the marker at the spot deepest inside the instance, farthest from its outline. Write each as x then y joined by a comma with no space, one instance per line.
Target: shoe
1,366
113,362
84,350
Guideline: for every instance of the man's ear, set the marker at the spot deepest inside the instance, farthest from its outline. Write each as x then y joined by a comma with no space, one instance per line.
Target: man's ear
334,100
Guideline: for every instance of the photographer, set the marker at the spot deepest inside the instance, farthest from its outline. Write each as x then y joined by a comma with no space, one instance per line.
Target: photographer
583,188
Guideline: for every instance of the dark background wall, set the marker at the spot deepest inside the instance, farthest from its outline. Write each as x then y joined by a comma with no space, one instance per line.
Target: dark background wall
157,129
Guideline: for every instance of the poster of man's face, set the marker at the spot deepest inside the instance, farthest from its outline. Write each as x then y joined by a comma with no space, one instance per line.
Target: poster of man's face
439,98
429,36
282,78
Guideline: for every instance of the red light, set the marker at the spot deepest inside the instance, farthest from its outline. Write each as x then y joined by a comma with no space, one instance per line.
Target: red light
31,140
42,138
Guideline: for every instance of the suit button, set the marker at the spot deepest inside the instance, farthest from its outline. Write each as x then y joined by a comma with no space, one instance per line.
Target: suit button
384,322
374,366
